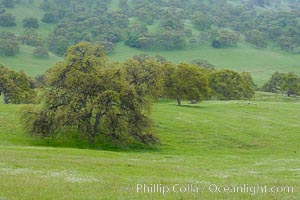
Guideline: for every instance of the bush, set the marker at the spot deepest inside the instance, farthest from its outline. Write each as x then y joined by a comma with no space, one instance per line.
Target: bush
30,22
40,52
7,20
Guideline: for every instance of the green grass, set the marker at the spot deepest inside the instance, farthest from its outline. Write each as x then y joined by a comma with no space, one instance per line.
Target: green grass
25,60
225,143
20,11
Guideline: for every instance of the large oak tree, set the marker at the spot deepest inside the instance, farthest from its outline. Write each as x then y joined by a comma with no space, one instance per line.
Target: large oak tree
93,96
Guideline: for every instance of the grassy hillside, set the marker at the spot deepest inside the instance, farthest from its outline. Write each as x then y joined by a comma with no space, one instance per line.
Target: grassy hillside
261,63
257,143
25,60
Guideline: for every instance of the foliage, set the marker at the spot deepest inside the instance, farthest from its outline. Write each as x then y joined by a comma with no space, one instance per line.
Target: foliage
30,37
167,25
225,38
230,85
9,45
201,21
52,17
288,83
186,82
57,45
146,75
168,37
30,22
257,38
15,87
96,100
203,63
40,52
8,3
7,20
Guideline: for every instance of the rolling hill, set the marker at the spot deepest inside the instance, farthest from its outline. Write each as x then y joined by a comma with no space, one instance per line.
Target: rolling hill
244,57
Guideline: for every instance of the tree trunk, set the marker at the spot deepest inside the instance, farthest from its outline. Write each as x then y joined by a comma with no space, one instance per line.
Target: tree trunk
89,127
6,99
91,138
90,133
179,101
97,122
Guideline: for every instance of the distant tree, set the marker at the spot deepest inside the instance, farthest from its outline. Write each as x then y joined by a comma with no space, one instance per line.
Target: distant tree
226,38
144,15
118,19
40,52
230,85
8,44
288,83
186,82
145,73
8,3
51,17
274,84
15,86
137,31
142,58
286,43
201,22
291,84
107,46
30,37
2,10
169,40
96,101
7,20
203,63
57,45
257,38
249,84
40,81
30,22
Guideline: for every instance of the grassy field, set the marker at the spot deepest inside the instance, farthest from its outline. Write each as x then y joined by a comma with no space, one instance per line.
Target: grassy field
25,60
224,143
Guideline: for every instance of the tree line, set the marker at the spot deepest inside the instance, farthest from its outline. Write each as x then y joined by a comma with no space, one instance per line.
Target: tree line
101,100
91,95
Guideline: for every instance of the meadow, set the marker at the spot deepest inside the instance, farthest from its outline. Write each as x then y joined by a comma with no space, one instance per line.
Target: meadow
224,143
230,143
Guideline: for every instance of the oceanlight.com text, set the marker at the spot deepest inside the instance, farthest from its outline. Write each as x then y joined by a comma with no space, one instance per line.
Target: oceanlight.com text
212,188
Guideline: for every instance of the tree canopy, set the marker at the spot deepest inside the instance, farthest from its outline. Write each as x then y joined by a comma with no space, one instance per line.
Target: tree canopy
288,83
94,97
186,82
9,45
15,86
230,85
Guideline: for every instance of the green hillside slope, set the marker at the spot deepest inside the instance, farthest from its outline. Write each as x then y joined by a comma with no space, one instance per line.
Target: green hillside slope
255,144
260,62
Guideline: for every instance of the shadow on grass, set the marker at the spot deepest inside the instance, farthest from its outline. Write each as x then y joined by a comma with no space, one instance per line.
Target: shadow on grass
193,106
81,143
